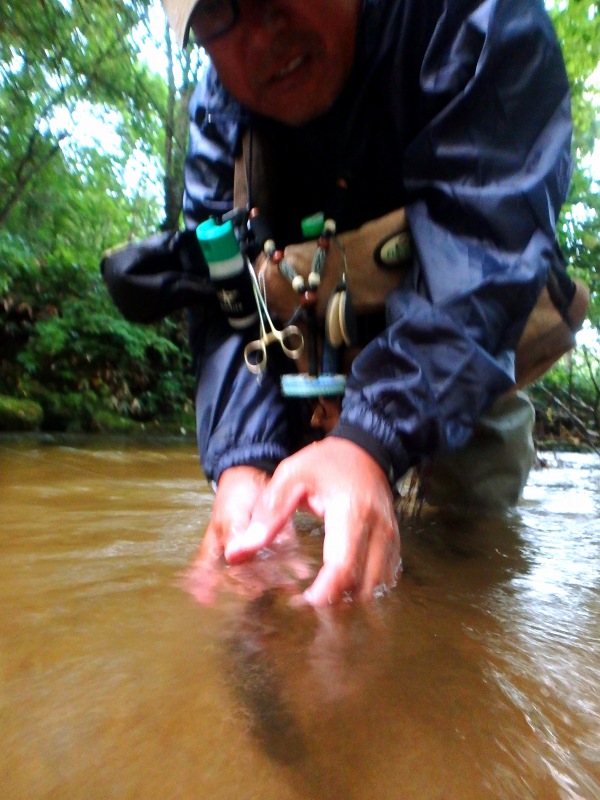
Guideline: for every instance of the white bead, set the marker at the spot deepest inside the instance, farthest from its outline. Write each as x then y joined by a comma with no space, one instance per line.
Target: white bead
329,226
314,280
298,283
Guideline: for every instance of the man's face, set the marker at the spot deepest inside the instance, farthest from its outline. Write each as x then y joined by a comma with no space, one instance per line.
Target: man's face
287,59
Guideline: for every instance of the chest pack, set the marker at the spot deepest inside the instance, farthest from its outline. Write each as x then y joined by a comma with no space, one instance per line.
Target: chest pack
360,269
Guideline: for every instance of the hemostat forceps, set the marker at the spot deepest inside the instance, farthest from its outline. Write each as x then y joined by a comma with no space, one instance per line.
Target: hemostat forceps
255,352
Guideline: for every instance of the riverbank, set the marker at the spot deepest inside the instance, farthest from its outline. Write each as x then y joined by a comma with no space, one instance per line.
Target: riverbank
19,418
23,416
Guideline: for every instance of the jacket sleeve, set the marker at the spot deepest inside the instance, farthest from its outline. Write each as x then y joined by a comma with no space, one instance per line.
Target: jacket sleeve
485,177
240,419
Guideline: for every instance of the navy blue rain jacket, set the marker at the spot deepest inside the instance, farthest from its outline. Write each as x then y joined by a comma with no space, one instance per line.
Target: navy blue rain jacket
460,111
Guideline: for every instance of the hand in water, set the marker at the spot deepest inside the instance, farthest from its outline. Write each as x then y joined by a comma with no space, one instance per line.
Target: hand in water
280,566
339,482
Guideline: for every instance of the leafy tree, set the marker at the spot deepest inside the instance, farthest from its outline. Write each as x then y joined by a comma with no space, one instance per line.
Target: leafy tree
56,58
182,68
81,114
567,399
577,24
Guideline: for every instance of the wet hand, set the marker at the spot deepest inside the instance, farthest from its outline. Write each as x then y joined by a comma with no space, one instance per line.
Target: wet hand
281,566
237,492
339,482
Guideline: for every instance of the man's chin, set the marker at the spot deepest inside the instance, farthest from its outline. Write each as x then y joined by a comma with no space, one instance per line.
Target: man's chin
294,114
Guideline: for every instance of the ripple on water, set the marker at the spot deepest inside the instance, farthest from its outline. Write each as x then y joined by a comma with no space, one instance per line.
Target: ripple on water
477,677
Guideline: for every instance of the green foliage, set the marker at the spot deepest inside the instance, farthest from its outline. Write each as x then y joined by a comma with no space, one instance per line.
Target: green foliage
568,397
61,62
19,415
567,400
578,27
79,109
65,345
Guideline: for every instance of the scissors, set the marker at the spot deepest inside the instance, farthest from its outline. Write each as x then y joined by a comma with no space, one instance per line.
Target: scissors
290,338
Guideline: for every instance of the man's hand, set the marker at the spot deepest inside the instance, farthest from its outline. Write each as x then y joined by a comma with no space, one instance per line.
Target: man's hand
339,482
234,502
283,566
237,492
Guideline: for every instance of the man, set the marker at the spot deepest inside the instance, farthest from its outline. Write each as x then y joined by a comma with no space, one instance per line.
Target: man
454,114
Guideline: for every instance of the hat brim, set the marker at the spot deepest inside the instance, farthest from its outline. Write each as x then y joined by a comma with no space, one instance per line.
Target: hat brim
179,14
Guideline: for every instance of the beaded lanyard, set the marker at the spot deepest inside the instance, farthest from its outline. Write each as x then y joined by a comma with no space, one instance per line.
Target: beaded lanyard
316,382
322,379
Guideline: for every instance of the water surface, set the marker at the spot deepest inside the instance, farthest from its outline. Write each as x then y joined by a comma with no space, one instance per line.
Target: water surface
477,677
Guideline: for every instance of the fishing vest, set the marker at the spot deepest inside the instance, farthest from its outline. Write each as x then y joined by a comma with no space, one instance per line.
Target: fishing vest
377,258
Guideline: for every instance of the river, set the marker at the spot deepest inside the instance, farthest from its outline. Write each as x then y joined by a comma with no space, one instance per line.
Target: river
477,677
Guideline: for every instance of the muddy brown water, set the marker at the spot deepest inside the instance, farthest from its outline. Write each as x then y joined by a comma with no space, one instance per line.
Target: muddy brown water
477,677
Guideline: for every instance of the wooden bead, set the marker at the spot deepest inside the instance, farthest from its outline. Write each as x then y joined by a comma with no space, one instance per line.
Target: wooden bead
308,299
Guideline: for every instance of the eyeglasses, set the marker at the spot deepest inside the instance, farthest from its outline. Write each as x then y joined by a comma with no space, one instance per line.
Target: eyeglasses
213,18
